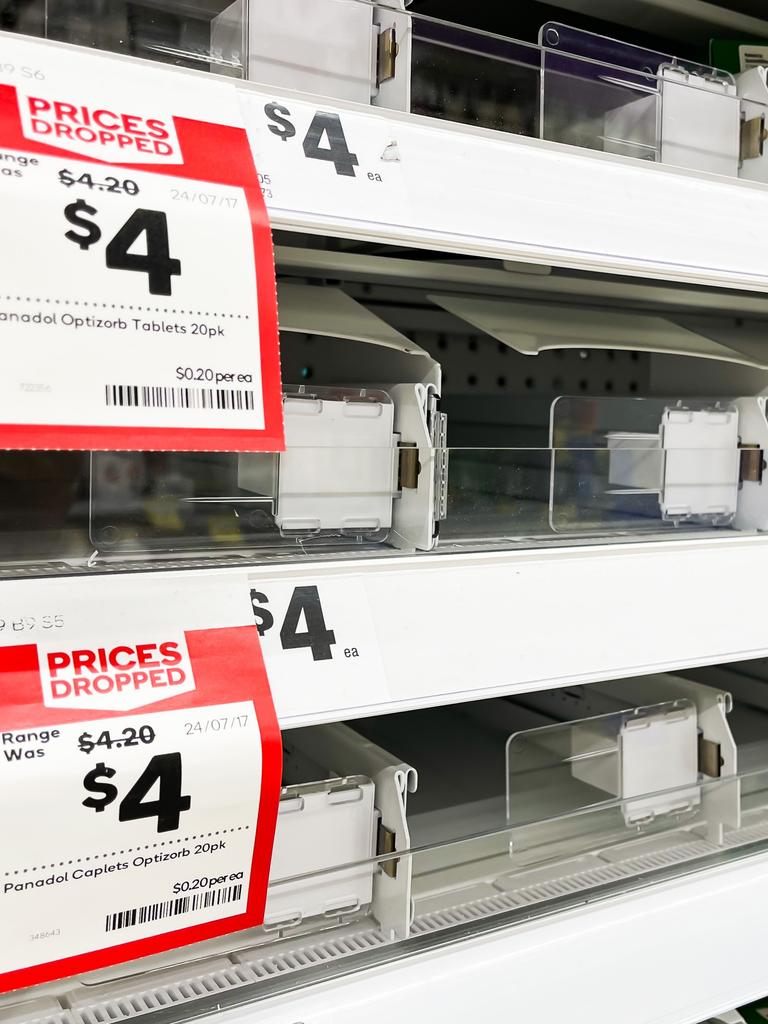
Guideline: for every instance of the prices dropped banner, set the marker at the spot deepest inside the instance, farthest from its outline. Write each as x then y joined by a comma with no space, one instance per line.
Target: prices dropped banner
137,292
140,771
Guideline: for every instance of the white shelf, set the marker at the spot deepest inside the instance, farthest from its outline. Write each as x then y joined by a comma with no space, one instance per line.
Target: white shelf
672,953
509,197
439,629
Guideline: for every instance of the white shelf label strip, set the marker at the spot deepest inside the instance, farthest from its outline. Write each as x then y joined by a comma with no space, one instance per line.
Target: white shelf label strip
395,177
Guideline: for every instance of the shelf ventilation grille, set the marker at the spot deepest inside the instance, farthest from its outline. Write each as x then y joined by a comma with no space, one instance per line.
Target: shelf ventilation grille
251,969
317,953
111,1010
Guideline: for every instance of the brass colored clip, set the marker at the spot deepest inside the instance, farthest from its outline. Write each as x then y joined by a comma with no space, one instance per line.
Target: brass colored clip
409,467
751,463
753,135
710,758
386,57
386,844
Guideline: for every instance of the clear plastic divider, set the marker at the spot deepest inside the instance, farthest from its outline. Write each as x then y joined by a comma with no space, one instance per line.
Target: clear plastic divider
74,511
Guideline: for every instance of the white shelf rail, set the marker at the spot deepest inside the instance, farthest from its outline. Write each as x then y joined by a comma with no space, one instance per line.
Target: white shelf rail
391,634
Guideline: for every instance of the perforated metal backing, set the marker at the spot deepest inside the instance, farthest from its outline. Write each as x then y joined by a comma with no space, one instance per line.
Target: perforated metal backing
477,364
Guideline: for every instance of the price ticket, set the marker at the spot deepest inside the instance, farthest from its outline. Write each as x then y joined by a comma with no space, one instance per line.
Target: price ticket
140,765
319,640
137,294
345,164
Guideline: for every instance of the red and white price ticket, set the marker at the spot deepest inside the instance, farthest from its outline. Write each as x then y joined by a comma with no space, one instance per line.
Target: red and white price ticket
140,770
137,293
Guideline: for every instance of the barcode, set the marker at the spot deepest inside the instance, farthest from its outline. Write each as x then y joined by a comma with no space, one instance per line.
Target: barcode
146,397
171,908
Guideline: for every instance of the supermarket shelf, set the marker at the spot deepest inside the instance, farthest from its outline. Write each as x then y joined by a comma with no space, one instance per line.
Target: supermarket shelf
510,197
672,953
413,632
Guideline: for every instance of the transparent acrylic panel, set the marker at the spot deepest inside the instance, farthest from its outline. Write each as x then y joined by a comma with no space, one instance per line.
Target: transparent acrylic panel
497,493
65,511
630,463
582,86
474,78
616,469
177,502
571,766
157,501
582,89
205,36
336,479
148,502
604,94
